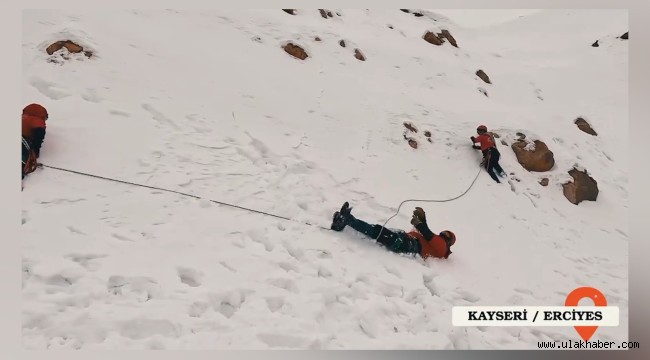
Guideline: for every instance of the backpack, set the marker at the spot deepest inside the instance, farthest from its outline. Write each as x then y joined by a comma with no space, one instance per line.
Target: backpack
29,158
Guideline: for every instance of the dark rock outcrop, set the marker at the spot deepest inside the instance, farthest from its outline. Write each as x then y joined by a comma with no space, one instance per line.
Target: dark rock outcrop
535,157
585,127
582,188
296,51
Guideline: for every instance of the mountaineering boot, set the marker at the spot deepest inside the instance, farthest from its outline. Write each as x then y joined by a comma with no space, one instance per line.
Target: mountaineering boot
340,218
493,176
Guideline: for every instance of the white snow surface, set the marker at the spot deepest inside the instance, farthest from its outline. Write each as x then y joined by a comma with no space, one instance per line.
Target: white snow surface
208,103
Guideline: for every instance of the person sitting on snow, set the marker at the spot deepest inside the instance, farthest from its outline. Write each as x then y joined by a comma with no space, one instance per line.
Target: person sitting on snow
420,241
491,154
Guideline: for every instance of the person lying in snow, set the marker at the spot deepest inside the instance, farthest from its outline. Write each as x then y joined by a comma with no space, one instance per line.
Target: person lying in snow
420,241
491,154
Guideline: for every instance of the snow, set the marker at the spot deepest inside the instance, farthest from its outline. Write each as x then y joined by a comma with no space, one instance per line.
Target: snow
482,18
207,103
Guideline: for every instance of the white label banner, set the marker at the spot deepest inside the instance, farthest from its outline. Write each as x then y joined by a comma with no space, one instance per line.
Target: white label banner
535,315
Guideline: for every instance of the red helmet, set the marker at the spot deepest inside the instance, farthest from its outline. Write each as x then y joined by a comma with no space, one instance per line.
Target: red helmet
449,236
481,128
36,110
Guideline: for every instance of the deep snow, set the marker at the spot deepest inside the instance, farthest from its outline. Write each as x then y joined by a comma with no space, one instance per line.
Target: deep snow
208,103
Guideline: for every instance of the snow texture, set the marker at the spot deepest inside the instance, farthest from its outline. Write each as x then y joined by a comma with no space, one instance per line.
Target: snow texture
208,103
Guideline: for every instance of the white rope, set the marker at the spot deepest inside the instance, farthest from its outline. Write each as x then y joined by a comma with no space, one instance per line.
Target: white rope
419,200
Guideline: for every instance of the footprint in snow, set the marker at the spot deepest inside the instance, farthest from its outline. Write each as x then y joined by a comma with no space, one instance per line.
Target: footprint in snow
122,237
288,267
275,303
119,113
468,296
91,96
239,242
390,290
512,186
224,264
417,296
295,252
141,287
60,280
26,269
142,328
286,284
87,261
257,237
459,339
524,291
324,272
160,117
189,276
394,271
155,345
515,300
369,328
228,303
48,89
564,275
324,254
74,230
274,340
197,309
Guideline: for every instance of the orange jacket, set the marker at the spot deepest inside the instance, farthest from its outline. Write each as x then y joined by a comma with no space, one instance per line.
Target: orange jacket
434,247
33,126
486,140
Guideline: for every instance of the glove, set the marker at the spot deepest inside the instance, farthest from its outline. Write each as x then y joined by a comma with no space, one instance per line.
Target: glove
473,139
476,147
415,221
420,214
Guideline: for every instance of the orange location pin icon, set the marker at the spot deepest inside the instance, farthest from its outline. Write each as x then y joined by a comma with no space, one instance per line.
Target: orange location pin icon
578,294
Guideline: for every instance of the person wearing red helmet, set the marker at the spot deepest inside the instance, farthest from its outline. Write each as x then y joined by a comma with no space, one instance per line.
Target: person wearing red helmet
491,154
33,134
33,127
421,240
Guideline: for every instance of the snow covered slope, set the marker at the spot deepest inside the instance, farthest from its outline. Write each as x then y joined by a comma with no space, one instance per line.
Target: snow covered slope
208,103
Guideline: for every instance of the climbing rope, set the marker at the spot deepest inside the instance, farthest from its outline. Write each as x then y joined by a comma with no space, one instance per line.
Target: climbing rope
245,208
180,193
426,200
